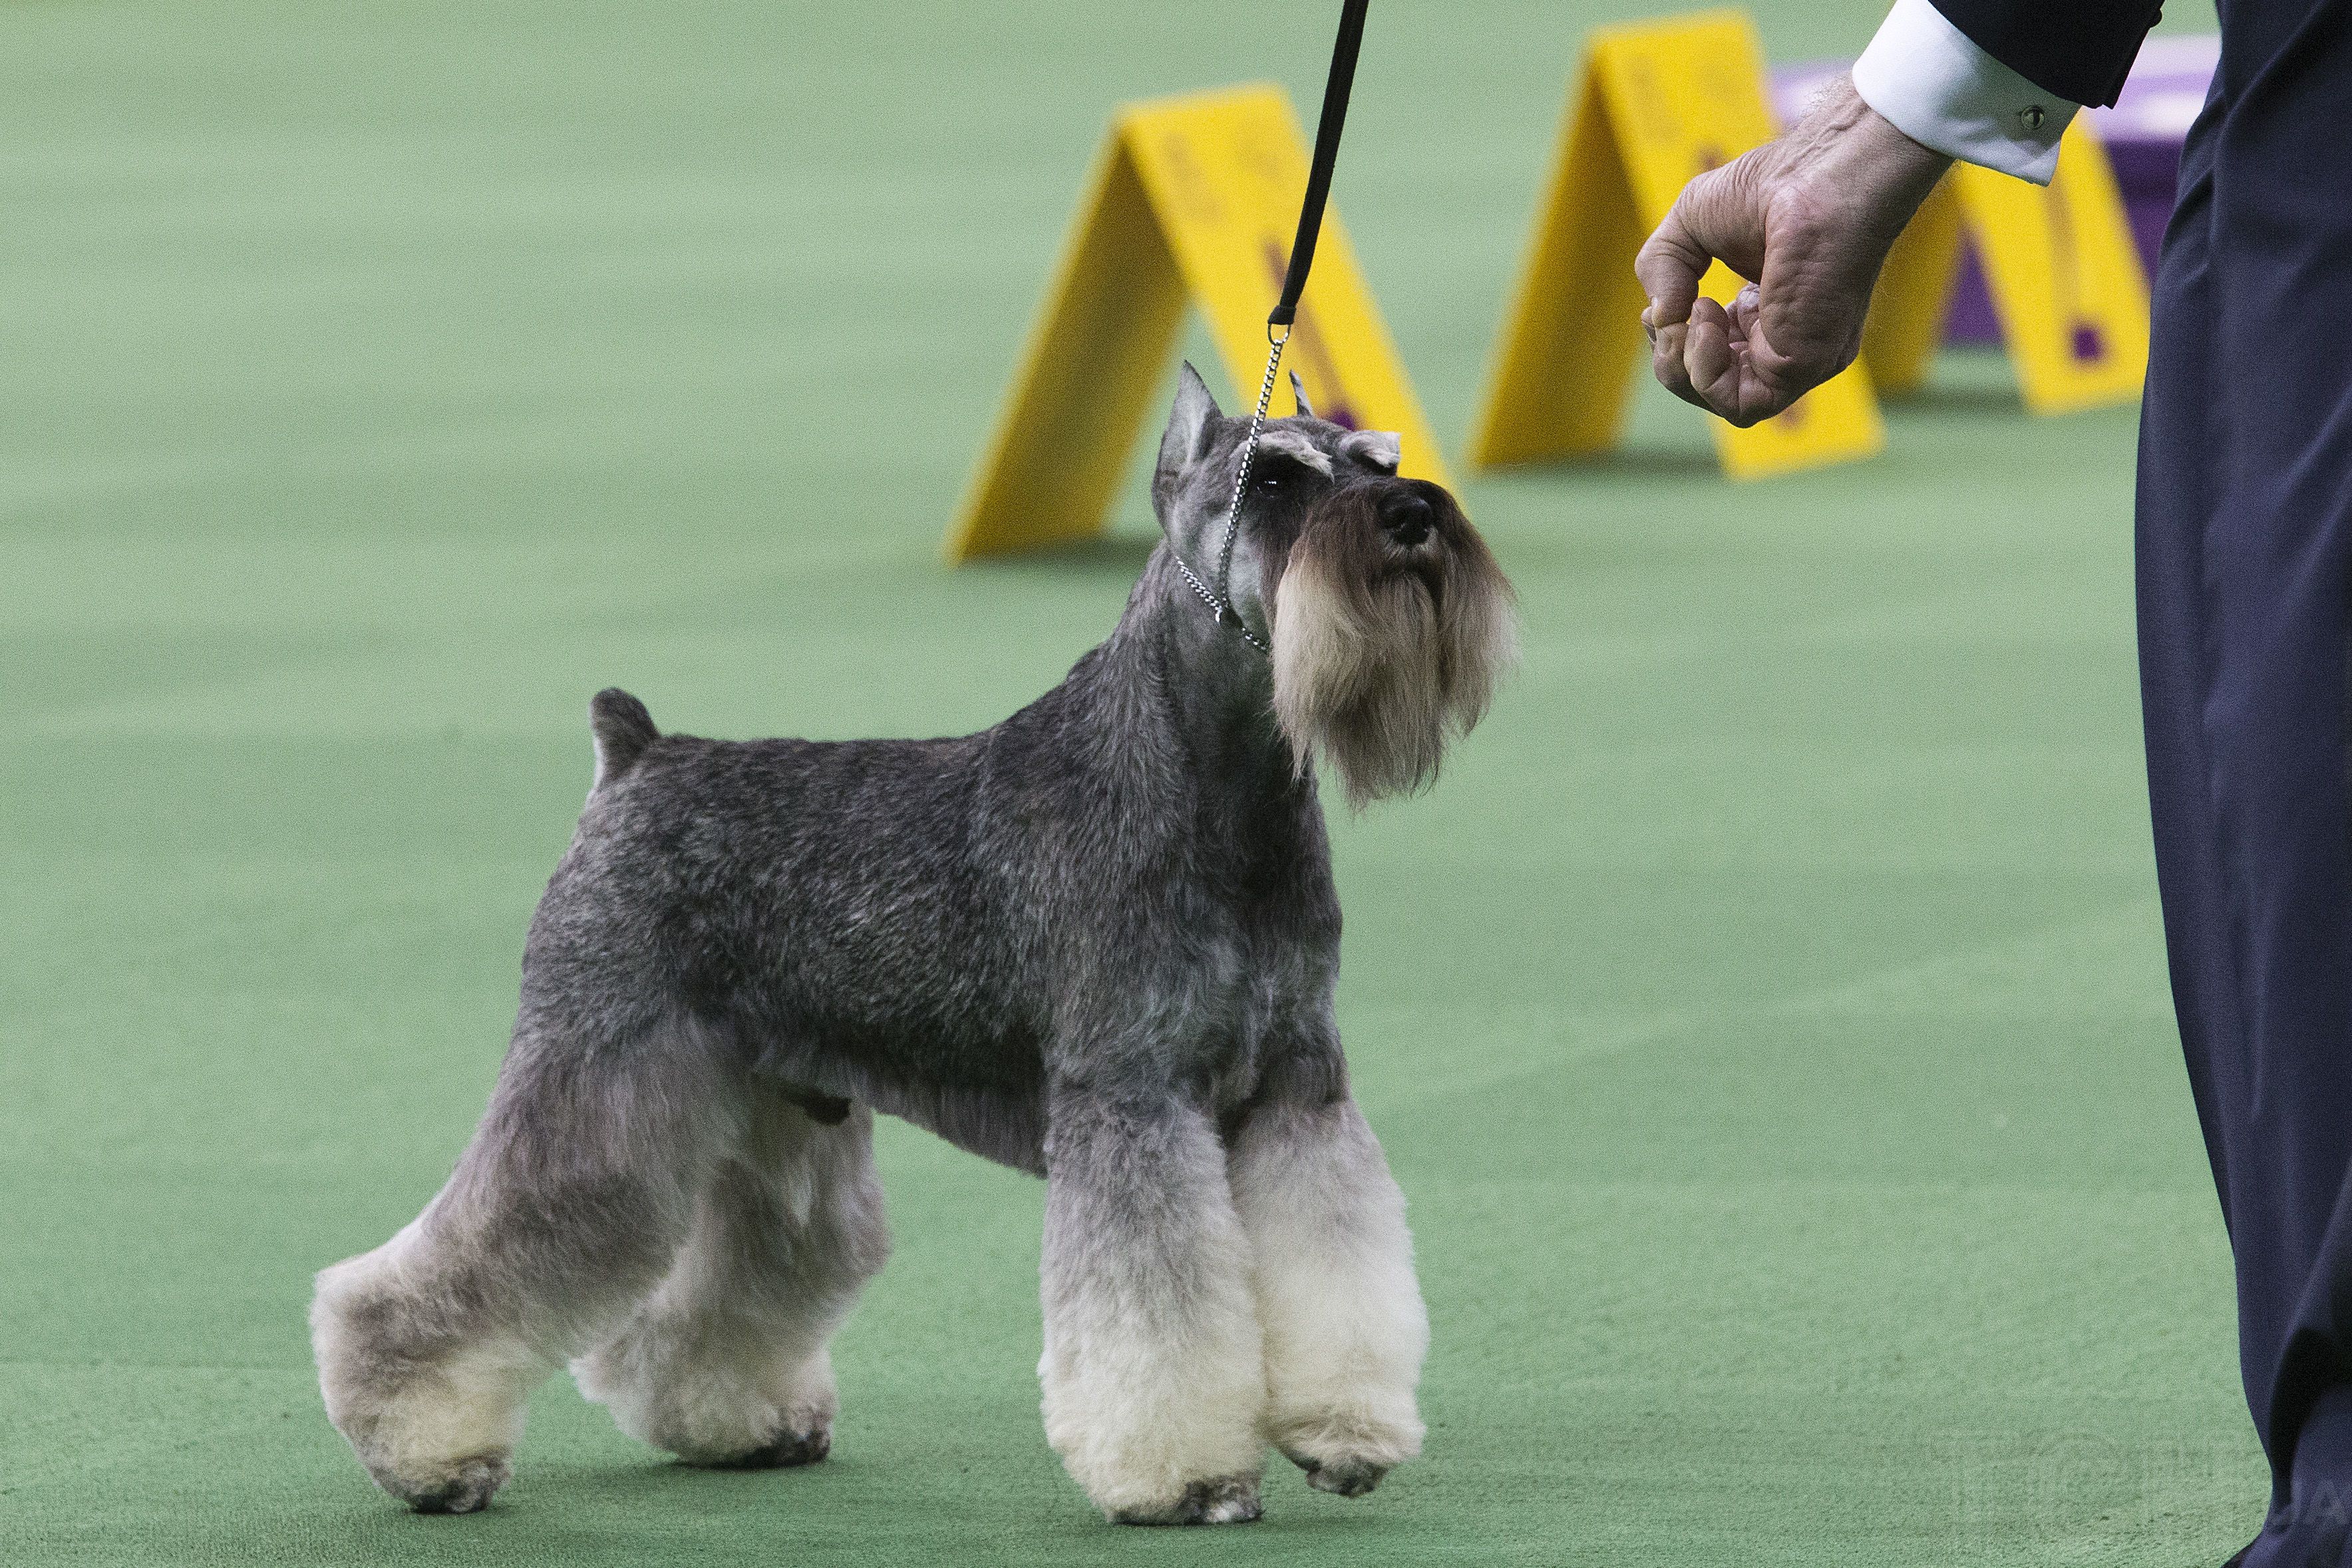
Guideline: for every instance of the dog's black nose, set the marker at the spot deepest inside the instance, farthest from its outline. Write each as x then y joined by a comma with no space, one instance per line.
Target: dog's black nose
1406,517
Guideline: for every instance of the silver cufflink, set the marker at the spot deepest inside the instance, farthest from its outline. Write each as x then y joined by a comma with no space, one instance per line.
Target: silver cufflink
2031,117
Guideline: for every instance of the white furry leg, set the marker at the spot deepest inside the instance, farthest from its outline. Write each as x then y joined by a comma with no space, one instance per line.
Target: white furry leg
436,1430
1153,1376
1345,1327
562,1213
725,1364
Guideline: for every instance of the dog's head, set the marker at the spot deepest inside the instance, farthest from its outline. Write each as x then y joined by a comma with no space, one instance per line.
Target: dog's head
1389,622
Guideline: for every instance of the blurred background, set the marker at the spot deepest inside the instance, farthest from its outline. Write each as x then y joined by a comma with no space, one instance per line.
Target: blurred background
1766,1015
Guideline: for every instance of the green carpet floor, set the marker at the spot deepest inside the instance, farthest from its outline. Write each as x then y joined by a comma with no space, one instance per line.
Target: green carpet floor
1765,1017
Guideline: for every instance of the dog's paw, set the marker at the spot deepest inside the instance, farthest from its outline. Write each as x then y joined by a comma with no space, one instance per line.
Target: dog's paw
1342,1478
1230,1499
463,1486
788,1451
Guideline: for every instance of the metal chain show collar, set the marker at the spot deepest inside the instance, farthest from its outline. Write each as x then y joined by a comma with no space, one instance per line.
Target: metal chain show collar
1220,599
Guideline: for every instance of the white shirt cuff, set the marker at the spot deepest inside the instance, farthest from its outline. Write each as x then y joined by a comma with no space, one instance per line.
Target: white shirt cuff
1935,84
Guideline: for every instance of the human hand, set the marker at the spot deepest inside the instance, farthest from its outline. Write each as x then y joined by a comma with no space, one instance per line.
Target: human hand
1808,219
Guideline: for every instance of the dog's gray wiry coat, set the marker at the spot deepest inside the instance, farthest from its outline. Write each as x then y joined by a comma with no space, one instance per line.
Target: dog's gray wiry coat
1098,942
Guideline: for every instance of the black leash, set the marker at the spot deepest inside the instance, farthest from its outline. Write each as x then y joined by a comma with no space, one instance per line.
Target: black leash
1286,309
1327,153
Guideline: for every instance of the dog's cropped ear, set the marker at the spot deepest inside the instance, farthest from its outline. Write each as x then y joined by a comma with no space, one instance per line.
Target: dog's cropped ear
1189,423
1298,390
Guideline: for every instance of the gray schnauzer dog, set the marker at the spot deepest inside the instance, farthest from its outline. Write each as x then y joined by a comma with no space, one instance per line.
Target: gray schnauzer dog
1098,943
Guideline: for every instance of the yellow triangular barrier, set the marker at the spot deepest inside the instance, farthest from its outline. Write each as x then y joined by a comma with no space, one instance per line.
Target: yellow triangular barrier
2061,269
1657,103
1191,197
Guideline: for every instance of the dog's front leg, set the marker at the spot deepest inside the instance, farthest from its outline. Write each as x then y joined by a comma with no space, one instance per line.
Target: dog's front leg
1345,1328
1154,1379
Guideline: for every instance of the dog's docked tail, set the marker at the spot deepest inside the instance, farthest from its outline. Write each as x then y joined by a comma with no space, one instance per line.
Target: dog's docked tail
623,729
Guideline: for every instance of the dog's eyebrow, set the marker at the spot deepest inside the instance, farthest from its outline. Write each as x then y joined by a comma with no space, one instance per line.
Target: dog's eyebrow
1292,444
1381,448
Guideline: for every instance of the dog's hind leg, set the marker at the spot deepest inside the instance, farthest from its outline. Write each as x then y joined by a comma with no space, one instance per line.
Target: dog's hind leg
1154,1385
1345,1328
564,1211
725,1363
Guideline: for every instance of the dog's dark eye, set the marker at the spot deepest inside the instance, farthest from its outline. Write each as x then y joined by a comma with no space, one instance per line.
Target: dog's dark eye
1275,474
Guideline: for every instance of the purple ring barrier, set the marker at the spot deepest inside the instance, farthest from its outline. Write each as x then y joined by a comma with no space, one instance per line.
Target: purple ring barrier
2143,133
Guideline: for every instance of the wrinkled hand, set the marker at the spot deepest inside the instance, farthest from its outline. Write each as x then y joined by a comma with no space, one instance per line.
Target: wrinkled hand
1807,220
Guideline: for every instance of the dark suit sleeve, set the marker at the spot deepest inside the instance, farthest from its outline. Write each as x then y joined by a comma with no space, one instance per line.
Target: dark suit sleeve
2079,49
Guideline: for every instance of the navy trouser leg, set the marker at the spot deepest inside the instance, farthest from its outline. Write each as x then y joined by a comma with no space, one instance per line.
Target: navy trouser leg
2245,594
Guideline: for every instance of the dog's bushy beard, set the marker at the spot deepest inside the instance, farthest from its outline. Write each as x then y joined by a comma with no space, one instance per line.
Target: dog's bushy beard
1384,654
